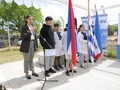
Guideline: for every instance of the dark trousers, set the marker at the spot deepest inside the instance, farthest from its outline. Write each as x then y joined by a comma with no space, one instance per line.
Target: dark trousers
57,61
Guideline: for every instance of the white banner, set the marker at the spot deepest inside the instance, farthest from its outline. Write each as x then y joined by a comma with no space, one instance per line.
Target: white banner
103,21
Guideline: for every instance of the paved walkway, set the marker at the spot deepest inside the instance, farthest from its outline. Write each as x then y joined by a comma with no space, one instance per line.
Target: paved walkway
105,76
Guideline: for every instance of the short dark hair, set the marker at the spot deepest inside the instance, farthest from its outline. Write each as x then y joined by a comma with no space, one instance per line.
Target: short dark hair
48,18
92,26
56,24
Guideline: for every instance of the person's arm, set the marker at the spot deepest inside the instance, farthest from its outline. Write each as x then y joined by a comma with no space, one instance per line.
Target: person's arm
63,37
80,38
36,41
41,38
24,33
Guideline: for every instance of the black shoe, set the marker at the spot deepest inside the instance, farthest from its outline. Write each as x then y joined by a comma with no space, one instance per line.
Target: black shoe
73,71
90,61
56,68
28,76
85,61
95,61
35,74
82,66
67,73
60,67
52,71
47,74
77,61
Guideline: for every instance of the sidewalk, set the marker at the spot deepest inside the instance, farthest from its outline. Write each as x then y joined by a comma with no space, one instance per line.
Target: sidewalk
105,76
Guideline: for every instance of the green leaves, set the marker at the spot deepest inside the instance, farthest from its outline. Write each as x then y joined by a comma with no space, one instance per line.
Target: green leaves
112,53
14,14
112,29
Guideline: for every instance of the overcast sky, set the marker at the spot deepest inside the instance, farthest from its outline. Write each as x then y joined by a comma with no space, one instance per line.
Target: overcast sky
55,9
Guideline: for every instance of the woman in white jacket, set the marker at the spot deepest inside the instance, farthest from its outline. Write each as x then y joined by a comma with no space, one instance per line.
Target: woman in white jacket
82,45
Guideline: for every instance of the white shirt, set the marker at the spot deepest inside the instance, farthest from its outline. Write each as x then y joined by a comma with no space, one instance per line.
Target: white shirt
58,45
49,52
82,44
32,35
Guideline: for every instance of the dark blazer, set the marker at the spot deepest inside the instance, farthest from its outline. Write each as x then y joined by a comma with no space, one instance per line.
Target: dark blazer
47,32
26,37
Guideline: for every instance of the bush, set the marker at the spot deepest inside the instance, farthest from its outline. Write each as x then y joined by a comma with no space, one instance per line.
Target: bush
3,32
112,53
112,29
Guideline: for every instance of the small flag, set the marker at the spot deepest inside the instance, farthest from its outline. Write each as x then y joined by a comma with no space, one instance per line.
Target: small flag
91,41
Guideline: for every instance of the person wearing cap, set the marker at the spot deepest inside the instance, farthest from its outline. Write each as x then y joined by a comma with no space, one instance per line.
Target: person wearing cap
47,41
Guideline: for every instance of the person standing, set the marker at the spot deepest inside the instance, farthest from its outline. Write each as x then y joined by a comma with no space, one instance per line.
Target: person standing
82,45
58,47
47,41
67,56
28,46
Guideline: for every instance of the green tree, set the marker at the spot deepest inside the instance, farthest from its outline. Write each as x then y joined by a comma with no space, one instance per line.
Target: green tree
23,11
4,7
14,14
112,29
37,17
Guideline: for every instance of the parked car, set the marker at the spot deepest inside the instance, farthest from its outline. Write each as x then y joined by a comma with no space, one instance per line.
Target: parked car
19,42
1,43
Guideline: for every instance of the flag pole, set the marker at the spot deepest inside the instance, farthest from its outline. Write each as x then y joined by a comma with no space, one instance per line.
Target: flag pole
100,56
88,32
88,11
72,68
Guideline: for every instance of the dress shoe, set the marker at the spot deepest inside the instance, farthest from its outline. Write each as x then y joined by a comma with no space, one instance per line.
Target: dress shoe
56,68
28,76
77,61
73,71
85,61
52,71
67,73
47,74
35,74
82,66
60,67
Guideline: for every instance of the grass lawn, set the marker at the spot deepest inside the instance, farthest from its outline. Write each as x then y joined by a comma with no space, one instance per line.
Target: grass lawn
11,55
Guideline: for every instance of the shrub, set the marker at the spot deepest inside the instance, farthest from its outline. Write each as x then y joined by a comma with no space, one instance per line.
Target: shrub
112,53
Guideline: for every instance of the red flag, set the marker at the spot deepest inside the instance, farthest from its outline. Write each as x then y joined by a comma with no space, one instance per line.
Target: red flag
71,38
